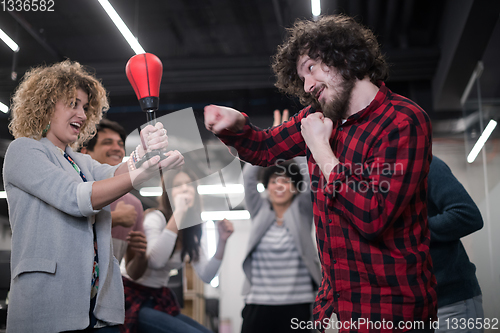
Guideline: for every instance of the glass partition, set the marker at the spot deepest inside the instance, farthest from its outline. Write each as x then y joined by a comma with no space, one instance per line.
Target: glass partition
481,112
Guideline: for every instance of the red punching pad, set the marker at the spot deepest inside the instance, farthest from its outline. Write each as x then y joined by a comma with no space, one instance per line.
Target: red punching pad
144,74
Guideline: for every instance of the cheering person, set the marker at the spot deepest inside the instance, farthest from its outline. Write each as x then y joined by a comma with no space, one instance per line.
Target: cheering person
173,232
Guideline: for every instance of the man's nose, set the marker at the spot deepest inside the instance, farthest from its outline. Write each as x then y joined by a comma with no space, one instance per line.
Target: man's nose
116,146
309,85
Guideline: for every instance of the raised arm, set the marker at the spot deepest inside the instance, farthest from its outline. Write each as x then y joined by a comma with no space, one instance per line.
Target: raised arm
304,195
127,176
28,168
253,199
254,145
108,190
207,269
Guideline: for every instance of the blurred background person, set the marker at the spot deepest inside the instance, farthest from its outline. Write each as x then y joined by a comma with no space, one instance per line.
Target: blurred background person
63,276
129,241
150,305
281,263
453,215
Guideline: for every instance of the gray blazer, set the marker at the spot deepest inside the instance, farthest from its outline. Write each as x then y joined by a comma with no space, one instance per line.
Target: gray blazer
298,219
52,253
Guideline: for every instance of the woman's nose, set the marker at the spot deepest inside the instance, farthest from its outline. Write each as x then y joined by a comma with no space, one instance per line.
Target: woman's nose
81,113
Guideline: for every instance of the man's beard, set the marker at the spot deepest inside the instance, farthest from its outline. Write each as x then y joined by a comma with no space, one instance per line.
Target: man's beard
337,108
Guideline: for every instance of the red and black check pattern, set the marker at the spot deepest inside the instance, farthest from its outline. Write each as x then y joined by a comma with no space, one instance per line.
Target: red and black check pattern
136,294
371,214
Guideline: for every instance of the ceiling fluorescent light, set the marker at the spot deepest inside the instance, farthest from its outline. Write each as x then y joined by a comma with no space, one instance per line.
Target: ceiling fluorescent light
219,189
9,41
316,7
215,282
117,20
3,195
229,214
481,141
151,191
4,108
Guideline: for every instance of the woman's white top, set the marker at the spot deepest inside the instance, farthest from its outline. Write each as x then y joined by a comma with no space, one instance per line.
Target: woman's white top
161,244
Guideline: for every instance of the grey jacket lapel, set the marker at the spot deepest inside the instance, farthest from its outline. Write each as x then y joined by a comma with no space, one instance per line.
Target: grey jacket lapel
57,156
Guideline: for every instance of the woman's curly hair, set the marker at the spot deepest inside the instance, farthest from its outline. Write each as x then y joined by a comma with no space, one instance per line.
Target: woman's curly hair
35,98
338,41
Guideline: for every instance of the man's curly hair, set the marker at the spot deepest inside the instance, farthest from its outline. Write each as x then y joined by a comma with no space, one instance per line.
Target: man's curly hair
338,41
34,100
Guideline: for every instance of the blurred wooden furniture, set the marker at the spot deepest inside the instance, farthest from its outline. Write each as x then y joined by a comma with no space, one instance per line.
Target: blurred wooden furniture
193,291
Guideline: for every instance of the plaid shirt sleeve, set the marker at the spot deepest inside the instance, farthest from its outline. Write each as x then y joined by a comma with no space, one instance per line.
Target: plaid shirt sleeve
265,147
375,194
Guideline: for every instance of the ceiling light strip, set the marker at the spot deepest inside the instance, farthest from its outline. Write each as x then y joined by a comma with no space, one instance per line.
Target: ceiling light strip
219,189
10,43
481,141
316,7
117,20
202,189
4,108
151,191
225,214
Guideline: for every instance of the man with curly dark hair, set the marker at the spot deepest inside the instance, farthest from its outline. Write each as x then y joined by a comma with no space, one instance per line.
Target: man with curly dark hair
368,151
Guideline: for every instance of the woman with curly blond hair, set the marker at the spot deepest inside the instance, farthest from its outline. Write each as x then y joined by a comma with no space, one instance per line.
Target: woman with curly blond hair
64,277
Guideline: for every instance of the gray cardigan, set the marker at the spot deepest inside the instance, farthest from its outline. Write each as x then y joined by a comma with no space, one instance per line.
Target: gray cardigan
51,215
298,219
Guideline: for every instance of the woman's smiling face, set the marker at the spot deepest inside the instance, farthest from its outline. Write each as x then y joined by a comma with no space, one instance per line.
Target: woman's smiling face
281,190
68,120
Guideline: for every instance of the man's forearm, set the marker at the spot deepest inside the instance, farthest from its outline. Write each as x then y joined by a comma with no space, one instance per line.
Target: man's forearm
137,266
116,218
325,159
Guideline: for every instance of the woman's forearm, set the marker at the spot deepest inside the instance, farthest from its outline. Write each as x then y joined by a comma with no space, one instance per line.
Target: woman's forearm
221,247
123,168
108,190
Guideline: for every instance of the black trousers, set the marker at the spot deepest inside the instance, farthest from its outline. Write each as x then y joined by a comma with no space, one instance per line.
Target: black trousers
275,318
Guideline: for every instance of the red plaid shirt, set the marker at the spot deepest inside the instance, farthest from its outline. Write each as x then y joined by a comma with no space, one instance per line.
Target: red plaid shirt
136,295
371,214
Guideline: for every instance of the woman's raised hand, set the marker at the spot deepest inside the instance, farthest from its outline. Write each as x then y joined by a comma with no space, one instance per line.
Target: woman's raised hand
279,118
225,228
182,202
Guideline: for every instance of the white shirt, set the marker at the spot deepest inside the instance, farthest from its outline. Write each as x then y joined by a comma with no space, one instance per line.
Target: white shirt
161,243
